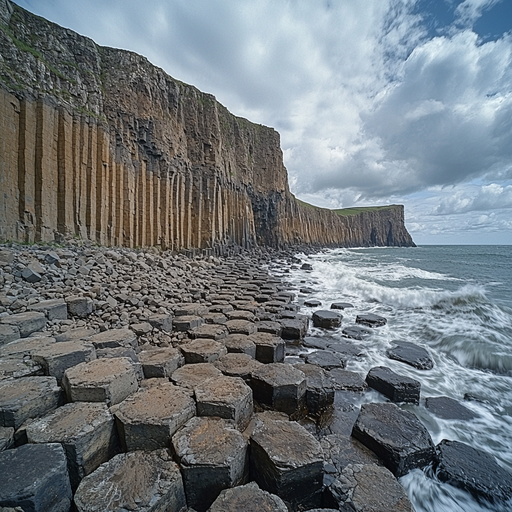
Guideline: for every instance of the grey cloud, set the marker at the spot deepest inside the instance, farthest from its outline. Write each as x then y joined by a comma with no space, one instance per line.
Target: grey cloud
488,197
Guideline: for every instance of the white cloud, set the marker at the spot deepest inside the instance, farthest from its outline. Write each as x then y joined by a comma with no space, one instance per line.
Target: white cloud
469,11
487,197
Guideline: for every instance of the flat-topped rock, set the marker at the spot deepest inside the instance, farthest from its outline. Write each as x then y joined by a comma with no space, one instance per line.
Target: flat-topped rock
213,456
345,380
26,323
215,318
160,362
238,314
187,322
312,303
141,480
241,327
341,305
347,349
56,358
281,386
288,461
192,309
80,333
237,365
211,331
369,487
448,408
326,319
474,471
54,309
150,417
24,347
240,343
341,450
398,388
319,388
325,359
86,431
247,498
294,329
269,348
113,338
191,375
411,354
162,322
225,397
269,326
101,380
202,350
35,477
27,397
396,436
356,332
19,367
371,320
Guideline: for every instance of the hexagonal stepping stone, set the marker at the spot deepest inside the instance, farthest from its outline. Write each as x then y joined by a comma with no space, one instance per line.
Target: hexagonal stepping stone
102,380
306,266
294,329
367,487
26,323
326,359
355,332
215,318
110,353
202,350
269,348
281,386
288,461
312,303
398,388
474,471
149,418
56,358
237,365
80,307
314,342
160,362
162,322
326,319
249,498
35,477
448,408
396,436
411,354
221,307
24,347
80,333
213,456
269,326
346,349
6,438
86,431
345,380
191,375
27,397
113,338
16,368
341,305
319,388
240,343
54,309
187,322
192,309
241,327
371,320
241,315
143,481
211,331
226,397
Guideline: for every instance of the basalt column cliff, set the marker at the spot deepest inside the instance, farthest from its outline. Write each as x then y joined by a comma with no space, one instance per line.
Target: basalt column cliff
98,143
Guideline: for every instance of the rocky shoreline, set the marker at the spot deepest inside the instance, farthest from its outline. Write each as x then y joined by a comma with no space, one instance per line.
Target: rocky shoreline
146,380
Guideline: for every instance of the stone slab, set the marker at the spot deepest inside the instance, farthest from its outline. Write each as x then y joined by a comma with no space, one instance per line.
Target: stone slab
398,388
294,329
19,367
269,348
411,354
326,319
448,408
270,326
325,359
162,322
26,323
346,380
211,331
356,332
187,322
371,320
113,338
202,350
240,343
192,375
24,347
54,309
241,327
319,388
8,333
160,362
237,365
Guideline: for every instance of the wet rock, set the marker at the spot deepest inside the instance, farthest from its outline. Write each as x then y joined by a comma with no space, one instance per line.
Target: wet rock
27,397
102,380
149,418
395,436
355,332
371,320
326,359
346,349
306,266
326,319
26,323
269,348
345,380
240,343
288,461
341,305
398,388
213,456
313,342
113,338
319,388
474,471
312,303
141,480
247,498
237,365
448,408
80,307
35,477
411,354
160,362
203,350
294,329
225,397
86,431
192,375
54,309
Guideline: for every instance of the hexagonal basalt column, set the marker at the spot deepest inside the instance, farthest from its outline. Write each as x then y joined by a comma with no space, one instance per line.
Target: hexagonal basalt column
225,397
213,456
203,351
192,375
281,386
149,418
240,343
160,362
269,348
237,365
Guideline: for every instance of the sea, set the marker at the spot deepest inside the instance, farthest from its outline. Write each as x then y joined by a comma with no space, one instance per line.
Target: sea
456,302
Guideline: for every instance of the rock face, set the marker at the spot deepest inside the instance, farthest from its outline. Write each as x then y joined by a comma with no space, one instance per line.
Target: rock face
125,155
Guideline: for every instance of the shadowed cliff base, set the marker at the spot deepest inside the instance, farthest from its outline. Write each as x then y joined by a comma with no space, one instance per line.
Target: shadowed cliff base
98,143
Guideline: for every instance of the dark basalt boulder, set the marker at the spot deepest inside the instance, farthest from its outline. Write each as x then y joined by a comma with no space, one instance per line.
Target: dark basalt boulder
347,349
397,388
325,359
312,303
312,342
355,332
306,266
411,354
371,320
326,319
474,471
294,329
346,380
341,305
395,436
448,408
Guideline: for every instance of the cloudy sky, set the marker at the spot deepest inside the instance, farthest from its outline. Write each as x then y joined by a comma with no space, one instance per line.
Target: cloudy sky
376,101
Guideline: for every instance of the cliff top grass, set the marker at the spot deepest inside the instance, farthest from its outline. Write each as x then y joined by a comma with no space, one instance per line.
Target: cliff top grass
345,212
